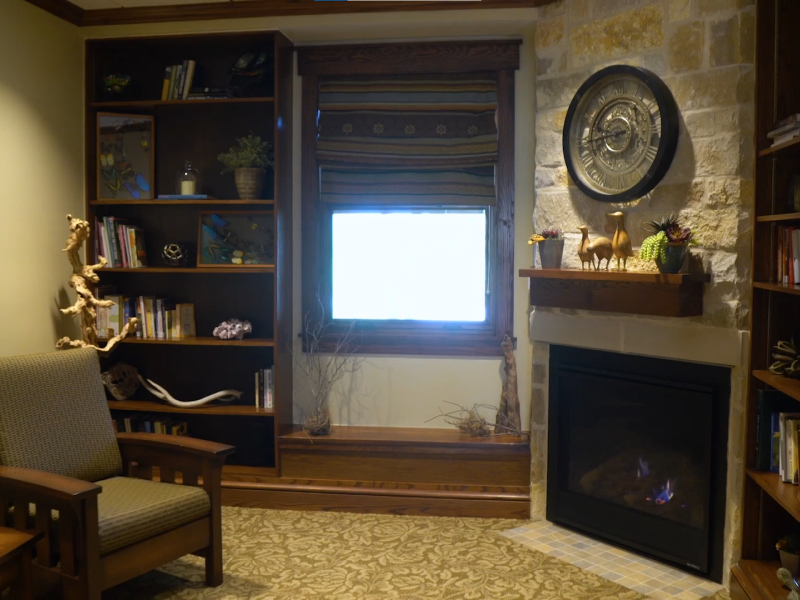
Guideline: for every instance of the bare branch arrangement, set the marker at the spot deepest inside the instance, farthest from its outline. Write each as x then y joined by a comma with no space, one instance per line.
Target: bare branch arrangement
508,416
86,304
470,421
321,369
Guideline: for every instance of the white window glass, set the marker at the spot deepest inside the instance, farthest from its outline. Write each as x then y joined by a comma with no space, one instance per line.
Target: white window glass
425,266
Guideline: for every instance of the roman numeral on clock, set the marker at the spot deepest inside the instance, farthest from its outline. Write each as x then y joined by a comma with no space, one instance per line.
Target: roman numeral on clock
651,153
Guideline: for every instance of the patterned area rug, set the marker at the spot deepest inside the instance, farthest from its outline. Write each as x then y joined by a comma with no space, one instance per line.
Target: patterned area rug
292,555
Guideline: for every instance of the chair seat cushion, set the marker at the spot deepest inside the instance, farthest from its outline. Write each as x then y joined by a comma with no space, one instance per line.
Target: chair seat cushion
132,510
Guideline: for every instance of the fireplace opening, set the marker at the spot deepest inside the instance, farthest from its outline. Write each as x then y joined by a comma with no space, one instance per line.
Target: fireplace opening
638,453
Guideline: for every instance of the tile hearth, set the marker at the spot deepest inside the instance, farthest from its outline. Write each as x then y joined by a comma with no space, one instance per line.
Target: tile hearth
643,575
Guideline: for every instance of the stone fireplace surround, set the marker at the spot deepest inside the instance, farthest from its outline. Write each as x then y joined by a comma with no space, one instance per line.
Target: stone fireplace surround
667,338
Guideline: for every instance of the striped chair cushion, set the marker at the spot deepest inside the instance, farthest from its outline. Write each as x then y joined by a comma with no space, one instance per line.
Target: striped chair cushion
132,510
54,416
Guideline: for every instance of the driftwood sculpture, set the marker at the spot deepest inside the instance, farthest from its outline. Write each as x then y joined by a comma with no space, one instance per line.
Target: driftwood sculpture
86,304
508,417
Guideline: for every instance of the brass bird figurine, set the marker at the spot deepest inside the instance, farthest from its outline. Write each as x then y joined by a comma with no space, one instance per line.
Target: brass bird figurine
600,248
621,244
584,253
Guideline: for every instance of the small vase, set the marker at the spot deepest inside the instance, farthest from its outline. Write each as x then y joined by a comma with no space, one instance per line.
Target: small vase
551,252
676,256
790,561
249,183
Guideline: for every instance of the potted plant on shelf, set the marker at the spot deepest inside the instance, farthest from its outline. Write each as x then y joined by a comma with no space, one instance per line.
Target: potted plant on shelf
668,246
248,160
551,247
789,549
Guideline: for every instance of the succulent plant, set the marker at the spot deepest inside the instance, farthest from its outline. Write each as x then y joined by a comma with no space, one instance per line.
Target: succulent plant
552,234
786,360
666,224
654,247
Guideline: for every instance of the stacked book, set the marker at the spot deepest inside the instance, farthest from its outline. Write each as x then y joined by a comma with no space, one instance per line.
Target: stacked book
150,424
778,435
159,318
265,388
178,81
785,130
120,243
788,257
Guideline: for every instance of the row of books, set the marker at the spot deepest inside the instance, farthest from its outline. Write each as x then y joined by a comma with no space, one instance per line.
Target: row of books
785,130
150,424
265,388
778,435
788,257
178,81
121,243
159,318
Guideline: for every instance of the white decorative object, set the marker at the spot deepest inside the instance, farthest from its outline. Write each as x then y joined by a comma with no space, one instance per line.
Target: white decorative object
162,394
234,329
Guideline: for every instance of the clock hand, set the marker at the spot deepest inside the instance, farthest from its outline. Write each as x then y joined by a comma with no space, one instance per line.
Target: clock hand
597,139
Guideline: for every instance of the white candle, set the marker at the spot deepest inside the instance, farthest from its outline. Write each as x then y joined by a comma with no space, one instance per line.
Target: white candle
187,188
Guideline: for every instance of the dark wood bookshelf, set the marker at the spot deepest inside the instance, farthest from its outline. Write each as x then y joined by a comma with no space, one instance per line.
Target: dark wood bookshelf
150,104
193,270
199,130
215,410
203,341
771,508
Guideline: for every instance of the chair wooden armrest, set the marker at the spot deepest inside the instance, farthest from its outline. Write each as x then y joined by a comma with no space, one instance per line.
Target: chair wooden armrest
174,443
40,485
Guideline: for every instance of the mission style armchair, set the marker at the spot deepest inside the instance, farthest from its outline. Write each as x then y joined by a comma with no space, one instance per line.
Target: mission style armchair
90,492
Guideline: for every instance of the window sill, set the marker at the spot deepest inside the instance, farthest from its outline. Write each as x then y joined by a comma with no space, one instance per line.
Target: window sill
426,344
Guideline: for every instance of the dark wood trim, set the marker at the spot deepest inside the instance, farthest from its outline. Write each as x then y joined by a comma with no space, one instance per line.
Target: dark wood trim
411,57
389,503
503,293
62,9
274,8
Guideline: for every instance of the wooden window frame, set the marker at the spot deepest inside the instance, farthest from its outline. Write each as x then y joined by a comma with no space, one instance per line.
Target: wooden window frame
501,59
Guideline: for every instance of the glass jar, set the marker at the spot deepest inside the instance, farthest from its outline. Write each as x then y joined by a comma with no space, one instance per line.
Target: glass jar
188,180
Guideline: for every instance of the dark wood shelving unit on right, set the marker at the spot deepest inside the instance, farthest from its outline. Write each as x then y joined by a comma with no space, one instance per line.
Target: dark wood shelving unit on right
199,130
771,507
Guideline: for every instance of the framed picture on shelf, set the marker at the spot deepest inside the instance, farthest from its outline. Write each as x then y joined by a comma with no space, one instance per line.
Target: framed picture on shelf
125,157
236,239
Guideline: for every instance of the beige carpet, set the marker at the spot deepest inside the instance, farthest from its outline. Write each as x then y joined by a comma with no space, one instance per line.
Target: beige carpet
291,555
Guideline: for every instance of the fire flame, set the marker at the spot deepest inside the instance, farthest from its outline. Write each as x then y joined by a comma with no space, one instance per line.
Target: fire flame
643,470
665,495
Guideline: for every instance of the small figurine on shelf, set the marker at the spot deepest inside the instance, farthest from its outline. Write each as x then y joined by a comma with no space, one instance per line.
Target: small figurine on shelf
551,247
233,329
588,250
116,83
621,244
175,254
787,363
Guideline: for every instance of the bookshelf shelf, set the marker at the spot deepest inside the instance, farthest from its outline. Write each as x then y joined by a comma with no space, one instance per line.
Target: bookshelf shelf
782,288
784,494
217,410
192,270
790,387
150,104
789,148
182,202
795,216
758,577
204,341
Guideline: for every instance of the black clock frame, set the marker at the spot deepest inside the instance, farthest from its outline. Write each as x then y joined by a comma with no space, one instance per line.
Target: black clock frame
669,134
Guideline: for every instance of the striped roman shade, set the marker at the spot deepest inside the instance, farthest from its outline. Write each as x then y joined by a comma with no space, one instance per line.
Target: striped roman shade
419,139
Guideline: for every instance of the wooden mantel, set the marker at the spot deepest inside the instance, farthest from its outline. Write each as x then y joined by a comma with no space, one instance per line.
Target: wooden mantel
637,293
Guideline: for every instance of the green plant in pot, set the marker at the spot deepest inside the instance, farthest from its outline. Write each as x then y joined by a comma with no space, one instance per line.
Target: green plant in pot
551,247
669,244
248,160
789,549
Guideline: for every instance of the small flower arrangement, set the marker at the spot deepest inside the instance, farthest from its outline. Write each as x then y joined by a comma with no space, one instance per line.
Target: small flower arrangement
250,152
547,234
666,231
790,544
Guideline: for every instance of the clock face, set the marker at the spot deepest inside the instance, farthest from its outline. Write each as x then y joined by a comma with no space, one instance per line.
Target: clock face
620,134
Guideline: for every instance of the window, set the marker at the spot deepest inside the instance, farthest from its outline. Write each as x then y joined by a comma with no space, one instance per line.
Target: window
407,199
437,263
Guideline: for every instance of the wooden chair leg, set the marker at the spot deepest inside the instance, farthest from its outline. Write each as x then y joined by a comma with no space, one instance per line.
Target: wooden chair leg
22,589
212,479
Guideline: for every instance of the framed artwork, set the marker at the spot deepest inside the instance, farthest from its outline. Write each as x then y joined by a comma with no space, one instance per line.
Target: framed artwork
236,239
125,157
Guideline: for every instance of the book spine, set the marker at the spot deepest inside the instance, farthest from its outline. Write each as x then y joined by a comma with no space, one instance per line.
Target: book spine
191,66
178,78
774,464
112,234
796,254
173,73
255,393
182,82
161,332
140,316
141,251
150,316
186,312
165,85
123,246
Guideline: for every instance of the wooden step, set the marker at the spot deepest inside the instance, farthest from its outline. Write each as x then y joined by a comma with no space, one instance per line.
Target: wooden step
757,580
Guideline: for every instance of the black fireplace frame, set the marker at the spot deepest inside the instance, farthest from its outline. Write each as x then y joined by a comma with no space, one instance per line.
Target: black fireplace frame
703,556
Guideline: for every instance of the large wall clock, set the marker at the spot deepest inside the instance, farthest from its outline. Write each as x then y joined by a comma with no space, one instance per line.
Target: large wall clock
620,134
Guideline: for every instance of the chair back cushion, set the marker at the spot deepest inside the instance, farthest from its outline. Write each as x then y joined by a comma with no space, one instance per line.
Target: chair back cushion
54,416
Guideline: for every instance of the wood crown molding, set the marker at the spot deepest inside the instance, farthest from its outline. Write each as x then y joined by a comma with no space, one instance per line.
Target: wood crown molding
409,57
257,8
